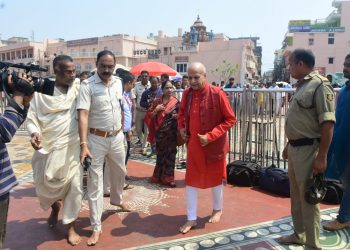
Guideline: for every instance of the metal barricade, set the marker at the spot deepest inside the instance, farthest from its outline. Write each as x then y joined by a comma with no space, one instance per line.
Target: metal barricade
258,135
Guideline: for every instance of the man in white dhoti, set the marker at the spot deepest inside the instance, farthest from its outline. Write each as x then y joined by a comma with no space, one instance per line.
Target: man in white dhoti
53,126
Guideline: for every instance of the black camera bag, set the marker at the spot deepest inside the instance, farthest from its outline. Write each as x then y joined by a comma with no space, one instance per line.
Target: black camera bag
242,173
334,192
274,180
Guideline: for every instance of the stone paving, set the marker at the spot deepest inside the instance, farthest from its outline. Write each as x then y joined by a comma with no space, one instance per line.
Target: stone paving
252,219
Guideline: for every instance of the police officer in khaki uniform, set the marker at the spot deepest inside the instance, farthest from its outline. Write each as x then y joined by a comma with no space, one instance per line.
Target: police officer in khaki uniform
101,137
309,129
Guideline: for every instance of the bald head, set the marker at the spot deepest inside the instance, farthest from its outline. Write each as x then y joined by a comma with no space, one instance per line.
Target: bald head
197,75
198,67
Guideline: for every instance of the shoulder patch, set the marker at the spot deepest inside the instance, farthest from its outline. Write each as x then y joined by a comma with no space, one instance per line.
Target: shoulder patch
330,97
323,78
89,80
85,82
117,77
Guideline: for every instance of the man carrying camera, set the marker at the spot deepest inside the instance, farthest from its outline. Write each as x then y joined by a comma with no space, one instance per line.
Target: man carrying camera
14,115
53,126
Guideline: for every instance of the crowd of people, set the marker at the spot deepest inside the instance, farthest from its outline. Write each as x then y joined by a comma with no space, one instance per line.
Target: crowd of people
88,123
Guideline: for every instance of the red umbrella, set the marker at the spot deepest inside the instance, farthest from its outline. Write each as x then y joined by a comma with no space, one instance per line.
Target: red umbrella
154,69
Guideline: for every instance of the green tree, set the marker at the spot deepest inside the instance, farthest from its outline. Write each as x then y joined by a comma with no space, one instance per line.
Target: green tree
225,70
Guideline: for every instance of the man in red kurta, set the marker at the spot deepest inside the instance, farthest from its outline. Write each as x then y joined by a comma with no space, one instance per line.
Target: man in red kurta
205,116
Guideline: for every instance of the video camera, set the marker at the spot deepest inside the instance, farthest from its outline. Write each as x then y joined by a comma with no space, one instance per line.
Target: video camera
37,84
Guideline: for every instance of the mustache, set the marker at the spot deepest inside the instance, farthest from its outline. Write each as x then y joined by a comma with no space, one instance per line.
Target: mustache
106,73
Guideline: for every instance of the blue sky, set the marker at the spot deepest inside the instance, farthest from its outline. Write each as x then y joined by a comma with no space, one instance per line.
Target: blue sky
74,19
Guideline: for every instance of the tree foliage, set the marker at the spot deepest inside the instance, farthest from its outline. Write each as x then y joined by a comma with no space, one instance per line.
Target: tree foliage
225,70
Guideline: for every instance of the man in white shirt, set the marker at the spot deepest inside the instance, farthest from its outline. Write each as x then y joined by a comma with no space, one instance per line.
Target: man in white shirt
101,137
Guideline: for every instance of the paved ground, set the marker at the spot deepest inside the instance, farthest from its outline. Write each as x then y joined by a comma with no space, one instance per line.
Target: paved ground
252,219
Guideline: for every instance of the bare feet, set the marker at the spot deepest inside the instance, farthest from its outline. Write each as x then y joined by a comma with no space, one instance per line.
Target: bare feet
127,186
93,239
53,218
215,216
188,226
73,238
123,207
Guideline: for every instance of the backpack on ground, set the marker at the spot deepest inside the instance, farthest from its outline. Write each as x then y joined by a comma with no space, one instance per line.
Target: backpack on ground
334,192
242,173
274,180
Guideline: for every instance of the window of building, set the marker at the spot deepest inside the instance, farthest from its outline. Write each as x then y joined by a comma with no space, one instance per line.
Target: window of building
13,55
331,38
18,54
88,66
24,54
165,51
8,57
105,48
311,41
3,57
78,67
181,67
330,60
30,53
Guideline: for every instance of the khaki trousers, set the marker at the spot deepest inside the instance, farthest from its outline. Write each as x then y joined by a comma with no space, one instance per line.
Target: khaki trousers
140,124
306,217
107,171
112,149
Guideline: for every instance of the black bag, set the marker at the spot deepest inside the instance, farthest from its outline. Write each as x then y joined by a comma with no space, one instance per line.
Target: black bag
242,173
334,192
315,189
275,180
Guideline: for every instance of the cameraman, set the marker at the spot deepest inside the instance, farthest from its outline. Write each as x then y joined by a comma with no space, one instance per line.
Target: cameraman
10,121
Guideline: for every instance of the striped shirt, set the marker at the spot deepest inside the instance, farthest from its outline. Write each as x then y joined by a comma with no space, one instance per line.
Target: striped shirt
9,123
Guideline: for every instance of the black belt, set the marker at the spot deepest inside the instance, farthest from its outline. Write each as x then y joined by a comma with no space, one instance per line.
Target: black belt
303,142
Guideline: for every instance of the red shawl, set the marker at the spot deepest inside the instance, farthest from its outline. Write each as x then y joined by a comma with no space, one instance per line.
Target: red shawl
155,123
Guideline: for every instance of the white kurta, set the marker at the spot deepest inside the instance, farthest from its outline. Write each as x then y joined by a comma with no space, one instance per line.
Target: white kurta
57,172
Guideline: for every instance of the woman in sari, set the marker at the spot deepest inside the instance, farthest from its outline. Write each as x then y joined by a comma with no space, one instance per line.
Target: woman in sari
161,119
